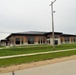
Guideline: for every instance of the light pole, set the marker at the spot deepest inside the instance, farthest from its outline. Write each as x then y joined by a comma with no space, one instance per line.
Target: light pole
52,22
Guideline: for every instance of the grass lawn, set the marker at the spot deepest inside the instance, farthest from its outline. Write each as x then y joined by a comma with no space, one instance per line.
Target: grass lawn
33,49
34,58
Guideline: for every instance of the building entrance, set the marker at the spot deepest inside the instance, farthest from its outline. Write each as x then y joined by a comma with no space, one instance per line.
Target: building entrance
56,42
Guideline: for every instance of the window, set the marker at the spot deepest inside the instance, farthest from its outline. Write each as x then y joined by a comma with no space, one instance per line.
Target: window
73,40
43,40
48,41
39,41
48,36
30,40
17,40
67,40
22,40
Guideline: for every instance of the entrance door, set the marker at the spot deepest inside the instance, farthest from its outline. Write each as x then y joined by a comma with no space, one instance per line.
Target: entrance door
56,42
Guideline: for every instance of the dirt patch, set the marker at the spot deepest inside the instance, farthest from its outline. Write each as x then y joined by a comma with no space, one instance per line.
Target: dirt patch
35,64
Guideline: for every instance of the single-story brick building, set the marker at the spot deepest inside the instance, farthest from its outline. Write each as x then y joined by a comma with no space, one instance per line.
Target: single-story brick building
35,37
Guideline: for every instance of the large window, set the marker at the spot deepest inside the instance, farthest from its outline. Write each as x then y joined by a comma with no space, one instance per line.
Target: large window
31,40
67,39
41,40
73,39
48,41
22,41
17,40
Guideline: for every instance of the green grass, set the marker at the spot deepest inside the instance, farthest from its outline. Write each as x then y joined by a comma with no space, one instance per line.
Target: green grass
34,58
2,46
33,49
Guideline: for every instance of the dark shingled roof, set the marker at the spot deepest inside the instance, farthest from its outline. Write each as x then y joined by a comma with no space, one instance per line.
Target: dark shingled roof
32,32
54,33
67,35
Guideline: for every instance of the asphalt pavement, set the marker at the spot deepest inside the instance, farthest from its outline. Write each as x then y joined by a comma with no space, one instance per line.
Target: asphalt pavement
61,68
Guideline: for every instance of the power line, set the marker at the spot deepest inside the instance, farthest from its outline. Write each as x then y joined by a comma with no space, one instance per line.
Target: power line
70,20
66,18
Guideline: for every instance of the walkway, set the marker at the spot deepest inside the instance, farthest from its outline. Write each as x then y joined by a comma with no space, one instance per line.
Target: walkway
3,57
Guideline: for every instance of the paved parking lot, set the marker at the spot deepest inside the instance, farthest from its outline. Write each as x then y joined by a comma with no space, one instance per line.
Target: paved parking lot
61,68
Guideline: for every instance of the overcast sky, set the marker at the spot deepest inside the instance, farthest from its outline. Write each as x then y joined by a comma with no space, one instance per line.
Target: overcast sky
35,15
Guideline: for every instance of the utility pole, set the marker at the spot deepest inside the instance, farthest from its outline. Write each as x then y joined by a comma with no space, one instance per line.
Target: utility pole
52,12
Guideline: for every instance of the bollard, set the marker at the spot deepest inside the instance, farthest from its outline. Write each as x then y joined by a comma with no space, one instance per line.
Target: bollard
13,73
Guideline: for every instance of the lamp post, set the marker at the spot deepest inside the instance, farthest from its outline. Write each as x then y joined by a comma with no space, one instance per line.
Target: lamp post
52,12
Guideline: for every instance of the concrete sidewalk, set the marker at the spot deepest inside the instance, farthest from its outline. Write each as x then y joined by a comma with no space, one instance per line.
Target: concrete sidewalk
3,57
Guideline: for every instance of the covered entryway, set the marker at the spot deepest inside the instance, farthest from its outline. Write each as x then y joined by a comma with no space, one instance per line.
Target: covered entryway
56,42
